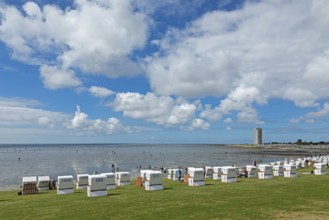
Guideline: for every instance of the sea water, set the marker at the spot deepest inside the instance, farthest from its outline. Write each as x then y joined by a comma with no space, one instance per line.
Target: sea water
53,160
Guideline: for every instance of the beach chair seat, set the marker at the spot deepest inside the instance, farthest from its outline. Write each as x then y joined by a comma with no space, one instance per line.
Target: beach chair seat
29,185
29,188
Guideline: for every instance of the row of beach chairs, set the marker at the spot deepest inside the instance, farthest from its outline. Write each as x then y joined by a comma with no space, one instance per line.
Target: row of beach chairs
287,169
98,184
32,184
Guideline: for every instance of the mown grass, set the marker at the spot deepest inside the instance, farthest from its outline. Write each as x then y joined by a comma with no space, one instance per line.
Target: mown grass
304,197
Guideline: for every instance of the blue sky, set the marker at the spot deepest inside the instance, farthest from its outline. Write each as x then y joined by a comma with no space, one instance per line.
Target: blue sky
172,71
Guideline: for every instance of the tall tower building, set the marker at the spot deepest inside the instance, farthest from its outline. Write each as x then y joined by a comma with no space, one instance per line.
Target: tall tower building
258,137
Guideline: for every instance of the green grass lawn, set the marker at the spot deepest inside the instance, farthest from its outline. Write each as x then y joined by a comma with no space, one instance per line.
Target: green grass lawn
304,197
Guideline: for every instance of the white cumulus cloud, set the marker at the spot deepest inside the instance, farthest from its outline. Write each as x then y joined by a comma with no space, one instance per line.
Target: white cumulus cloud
199,123
212,114
95,37
54,78
161,110
45,121
263,50
100,92
228,120
81,123
241,100
317,74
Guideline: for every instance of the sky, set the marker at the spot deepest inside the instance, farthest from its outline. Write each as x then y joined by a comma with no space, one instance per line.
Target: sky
171,71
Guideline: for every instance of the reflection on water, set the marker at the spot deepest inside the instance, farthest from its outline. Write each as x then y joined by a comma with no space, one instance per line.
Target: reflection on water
17,161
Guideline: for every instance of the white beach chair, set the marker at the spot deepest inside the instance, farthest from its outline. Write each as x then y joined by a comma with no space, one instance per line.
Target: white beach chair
97,185
265,171
43,182
110,181
251,171
196,177
122,178
229,174
65,185
29,185
153,180
82,181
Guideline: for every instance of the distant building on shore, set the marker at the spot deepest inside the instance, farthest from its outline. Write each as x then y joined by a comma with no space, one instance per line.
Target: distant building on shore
258,137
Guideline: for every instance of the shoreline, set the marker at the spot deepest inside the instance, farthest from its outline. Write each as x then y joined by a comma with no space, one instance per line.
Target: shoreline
4,188
285,150
283,147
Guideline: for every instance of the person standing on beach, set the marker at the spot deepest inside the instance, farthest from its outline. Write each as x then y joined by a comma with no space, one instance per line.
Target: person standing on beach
179,173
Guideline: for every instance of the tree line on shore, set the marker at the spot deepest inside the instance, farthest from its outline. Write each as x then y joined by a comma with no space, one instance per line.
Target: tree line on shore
299,142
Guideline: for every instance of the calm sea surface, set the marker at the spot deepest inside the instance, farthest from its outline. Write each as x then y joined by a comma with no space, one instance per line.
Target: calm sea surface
52,160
